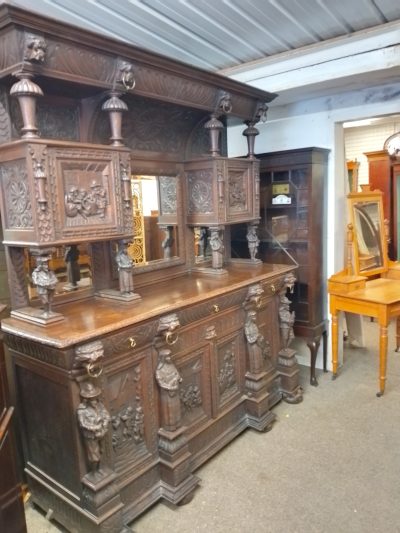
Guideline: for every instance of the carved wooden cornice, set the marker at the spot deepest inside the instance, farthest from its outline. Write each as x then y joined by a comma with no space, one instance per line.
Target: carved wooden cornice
96,61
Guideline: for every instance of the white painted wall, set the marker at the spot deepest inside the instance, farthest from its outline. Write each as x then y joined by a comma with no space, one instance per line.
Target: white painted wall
318,122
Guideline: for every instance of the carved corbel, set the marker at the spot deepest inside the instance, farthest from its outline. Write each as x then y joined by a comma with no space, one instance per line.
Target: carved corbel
89,360
167,331
35,48
253,297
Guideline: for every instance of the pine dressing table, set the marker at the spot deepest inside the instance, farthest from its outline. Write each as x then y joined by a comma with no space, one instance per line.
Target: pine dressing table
372,287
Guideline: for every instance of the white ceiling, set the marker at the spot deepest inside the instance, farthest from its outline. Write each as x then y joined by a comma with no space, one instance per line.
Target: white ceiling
219,34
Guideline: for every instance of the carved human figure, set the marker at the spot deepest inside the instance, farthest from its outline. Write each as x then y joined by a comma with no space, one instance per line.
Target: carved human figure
257,346
125,269
36,50
46,282
94,420
286,320
71,258
253,241
168,379
217,248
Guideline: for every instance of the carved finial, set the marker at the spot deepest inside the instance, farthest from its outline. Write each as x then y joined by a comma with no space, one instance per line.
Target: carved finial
114,106
250,133
27,91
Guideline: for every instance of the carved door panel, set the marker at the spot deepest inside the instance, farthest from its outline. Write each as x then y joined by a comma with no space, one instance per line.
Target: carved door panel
131,399
227,371
195,395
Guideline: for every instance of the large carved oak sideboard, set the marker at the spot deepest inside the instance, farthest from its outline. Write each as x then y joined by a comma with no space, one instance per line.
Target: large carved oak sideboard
139,346
196,363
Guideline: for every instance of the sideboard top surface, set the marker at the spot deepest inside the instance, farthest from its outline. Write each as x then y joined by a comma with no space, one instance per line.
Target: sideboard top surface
88,319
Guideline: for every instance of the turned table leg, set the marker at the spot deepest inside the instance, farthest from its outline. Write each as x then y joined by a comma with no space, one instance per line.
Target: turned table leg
334,344
397,333
383,342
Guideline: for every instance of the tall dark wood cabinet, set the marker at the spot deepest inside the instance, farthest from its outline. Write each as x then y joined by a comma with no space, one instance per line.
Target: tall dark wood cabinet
384,174
292,230
129,375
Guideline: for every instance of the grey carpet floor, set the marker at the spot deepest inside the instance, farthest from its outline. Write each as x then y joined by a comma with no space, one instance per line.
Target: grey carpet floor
329,465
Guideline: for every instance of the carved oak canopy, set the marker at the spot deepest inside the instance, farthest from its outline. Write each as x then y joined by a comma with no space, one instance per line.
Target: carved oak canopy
83,65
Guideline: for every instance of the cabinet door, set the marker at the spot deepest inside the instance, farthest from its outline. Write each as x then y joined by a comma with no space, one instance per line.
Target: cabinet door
227,372
133,409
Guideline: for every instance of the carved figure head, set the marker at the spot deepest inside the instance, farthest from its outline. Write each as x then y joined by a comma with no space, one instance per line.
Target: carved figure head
168,323
36,50
89,390
90,352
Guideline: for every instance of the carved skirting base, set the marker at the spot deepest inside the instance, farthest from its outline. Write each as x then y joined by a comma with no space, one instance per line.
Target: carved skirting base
288,369
37,316
259,416
177,480
76,518
246,262
113,294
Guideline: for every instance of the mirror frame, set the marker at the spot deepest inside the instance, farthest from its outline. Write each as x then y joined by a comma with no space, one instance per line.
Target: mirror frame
373,197
180,259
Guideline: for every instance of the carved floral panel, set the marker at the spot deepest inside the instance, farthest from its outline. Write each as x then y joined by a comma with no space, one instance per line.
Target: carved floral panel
17,195
200,191
168,195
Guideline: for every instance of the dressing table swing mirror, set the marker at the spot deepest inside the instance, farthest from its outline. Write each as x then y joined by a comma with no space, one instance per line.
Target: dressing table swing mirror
369,286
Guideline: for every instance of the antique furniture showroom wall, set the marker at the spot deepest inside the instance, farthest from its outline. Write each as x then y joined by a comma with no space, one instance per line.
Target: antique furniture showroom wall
139,348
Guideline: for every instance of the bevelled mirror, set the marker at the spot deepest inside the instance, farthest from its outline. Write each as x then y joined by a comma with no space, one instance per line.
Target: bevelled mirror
369,239
155,213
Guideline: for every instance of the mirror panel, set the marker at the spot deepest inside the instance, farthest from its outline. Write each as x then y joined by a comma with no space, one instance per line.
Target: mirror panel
154,200
370,255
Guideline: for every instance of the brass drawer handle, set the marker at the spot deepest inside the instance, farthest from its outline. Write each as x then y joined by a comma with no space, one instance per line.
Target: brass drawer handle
94,370
132,342
216,308
171,337
273,288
